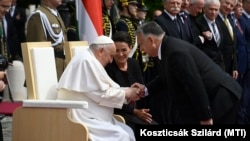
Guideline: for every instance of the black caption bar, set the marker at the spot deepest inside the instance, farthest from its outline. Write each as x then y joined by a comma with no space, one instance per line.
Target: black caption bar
237,132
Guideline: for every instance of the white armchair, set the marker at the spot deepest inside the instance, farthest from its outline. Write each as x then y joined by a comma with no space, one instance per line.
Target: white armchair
72,47
42,117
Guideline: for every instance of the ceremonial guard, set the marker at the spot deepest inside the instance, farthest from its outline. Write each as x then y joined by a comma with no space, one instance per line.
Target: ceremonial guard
46,24
108,22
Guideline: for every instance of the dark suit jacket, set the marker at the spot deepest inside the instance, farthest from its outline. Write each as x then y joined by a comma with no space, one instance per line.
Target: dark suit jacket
170,28
241,48
192,81
228,46
16,31
244,21
210,47
195,31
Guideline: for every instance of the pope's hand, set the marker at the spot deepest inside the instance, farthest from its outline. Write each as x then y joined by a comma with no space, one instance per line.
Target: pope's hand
132,94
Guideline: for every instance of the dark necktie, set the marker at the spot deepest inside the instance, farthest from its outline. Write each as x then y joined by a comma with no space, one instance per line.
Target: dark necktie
176,24
186,24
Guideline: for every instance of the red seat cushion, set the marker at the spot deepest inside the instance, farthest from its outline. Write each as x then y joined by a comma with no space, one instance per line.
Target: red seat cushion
8,107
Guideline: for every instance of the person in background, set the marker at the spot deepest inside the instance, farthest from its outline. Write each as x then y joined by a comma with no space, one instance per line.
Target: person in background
71,29
64,12
142,11
128,22
148,63
194,10
171,21
173,25
243,48
228,43
46,24
14,30
108,23
126,71
156,13
86,79
184,5
197,89
128,11
212,32
4,9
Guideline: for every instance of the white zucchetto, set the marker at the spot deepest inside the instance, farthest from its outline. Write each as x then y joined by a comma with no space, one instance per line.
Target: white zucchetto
102,40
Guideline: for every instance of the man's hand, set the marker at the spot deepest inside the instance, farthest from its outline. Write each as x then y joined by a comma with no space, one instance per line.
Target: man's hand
207,35
235,74
141,87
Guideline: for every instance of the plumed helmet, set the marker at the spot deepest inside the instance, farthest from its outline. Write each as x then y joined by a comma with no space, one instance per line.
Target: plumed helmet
141,6
71,6
126,2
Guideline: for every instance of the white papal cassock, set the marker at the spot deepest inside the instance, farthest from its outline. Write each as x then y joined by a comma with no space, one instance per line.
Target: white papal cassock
86,79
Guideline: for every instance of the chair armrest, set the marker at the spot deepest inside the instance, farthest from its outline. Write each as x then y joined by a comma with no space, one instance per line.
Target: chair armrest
119,118
55,103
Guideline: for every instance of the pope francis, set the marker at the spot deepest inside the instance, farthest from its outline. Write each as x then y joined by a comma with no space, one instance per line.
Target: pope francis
86,79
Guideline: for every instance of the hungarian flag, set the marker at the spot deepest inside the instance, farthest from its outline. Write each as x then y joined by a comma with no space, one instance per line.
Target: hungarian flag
89,19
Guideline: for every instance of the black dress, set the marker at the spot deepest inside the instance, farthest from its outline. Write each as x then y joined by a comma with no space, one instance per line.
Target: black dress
126,79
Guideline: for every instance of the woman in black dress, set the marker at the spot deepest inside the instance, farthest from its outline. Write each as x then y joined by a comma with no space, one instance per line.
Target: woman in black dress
126,71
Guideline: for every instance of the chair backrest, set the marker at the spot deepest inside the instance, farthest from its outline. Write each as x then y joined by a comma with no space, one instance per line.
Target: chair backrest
40,70
72,47
50,118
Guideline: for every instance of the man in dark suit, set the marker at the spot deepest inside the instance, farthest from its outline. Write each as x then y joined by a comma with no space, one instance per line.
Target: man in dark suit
193,11
171,22
229,36
212,32
198,90
243,48
14,25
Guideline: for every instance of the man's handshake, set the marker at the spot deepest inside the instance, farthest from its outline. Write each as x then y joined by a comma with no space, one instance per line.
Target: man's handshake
141,87
135,92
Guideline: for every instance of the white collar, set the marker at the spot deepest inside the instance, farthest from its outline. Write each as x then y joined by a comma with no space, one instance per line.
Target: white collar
208,21
159,52
171,16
